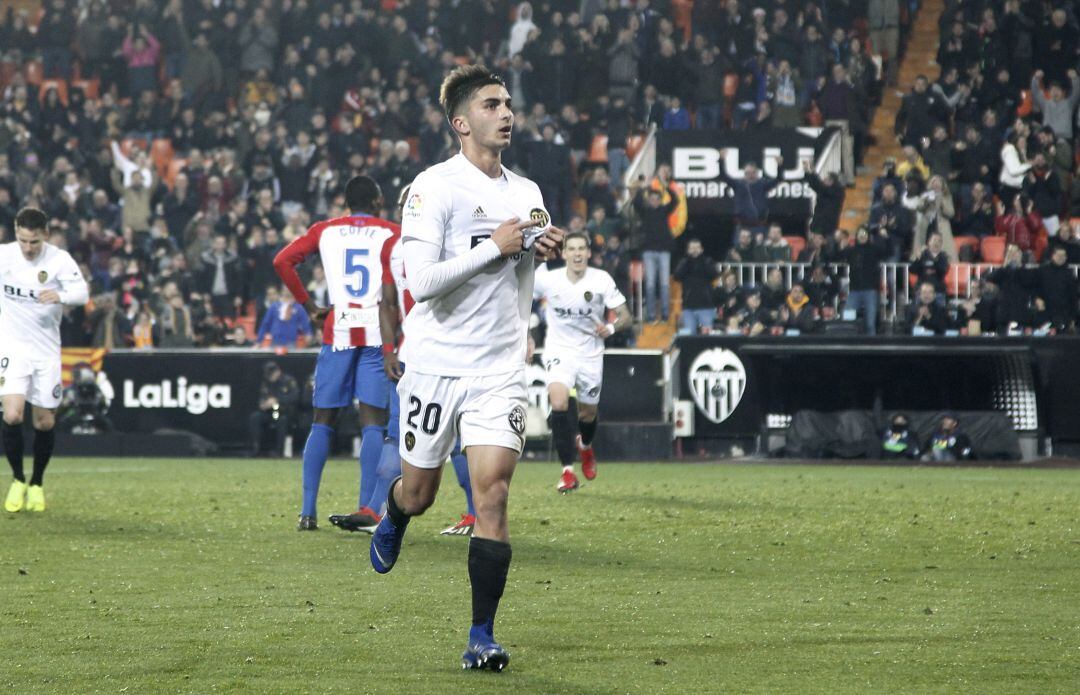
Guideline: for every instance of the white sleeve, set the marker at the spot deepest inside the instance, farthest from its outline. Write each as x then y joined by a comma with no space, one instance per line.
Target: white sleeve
424,220
613,298
125,165
73,288
429,277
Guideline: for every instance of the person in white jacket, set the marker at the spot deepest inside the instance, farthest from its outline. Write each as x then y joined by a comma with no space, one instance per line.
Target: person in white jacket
1014,166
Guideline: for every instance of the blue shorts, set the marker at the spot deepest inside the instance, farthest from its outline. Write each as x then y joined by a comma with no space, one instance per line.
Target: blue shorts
393,426
342,375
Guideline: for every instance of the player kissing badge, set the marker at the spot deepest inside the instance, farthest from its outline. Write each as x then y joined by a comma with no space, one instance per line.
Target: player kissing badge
42,277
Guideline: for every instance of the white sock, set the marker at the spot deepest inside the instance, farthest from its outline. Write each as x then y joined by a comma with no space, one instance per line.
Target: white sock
568,469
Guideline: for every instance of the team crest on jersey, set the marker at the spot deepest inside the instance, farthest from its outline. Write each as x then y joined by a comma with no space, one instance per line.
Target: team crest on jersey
588,296
410,441
517,419
413,206
541,216
42,277
57,391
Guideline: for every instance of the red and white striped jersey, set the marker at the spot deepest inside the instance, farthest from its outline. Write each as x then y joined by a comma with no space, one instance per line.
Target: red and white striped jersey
355,252
397,271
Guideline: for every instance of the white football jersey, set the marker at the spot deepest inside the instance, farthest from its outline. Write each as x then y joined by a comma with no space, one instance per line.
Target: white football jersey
575,309
481,326
26,325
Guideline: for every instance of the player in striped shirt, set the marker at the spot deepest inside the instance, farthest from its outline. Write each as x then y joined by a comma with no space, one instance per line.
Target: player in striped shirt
355,251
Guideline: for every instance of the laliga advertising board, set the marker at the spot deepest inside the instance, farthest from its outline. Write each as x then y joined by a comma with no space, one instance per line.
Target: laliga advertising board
697,165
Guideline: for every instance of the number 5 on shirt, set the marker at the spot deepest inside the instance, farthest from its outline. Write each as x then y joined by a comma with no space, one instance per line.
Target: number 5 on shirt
356,265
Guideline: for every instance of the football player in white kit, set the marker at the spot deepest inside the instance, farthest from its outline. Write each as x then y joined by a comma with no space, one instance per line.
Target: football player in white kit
577,300
38,279
471,231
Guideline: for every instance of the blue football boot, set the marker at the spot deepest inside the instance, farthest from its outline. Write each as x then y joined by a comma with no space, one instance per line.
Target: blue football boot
483,651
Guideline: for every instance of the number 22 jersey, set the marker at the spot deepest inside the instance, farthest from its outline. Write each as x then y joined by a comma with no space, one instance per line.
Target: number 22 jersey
355,252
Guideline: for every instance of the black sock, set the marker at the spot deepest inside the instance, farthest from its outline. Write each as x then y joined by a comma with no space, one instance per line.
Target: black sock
13,447
398,517
43,448
588,431
559,421
489,561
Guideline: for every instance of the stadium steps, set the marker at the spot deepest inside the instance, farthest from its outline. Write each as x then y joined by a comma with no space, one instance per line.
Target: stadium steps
658,336
920,59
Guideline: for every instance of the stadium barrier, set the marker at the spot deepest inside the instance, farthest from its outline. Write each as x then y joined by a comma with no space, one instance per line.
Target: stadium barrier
212,392
740,389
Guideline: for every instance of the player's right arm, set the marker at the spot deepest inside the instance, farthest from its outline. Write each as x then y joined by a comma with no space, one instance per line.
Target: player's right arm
285,263
424,222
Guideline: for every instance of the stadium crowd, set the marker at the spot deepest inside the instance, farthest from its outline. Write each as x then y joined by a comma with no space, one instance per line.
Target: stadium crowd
176,147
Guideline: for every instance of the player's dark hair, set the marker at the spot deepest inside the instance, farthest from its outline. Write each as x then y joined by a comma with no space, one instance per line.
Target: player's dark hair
31,219
362,194
461,84
576,235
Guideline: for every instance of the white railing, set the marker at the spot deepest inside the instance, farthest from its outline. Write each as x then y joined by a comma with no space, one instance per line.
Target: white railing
749,274
898,283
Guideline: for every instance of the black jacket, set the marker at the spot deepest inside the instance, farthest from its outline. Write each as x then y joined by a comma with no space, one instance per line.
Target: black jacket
935,320
696,276
864,261
830,201
932,269
655,231
1058,288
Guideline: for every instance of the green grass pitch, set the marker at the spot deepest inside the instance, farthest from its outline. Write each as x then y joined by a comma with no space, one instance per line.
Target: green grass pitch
188,576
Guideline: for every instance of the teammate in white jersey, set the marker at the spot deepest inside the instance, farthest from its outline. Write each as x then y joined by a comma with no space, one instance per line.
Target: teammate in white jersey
38,279
577,301
471,231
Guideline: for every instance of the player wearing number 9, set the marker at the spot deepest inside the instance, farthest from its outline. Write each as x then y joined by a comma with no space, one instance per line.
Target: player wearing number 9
354,250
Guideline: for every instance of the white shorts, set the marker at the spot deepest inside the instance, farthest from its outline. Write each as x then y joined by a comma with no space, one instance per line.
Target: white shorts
482,410
586,374
37,380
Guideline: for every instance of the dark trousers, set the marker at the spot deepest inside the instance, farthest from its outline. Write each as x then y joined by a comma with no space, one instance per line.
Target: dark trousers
261,423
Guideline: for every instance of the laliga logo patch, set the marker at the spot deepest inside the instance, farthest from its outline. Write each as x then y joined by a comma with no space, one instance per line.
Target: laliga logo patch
410,441
42,277
717,383
517,419
413,206
540,215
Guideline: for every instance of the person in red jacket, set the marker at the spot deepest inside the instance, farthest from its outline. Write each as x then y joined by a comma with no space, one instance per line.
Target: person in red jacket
1021,225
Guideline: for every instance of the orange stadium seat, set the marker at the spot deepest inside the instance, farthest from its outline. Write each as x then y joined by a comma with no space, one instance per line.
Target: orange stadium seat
956,281
797,244
993,249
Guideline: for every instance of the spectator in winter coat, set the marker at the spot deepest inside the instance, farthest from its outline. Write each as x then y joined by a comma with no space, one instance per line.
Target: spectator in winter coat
864,260
1057,293
285,324
1020,224
892,218
656,250
932,265
919,112
696,272
797,313
829,202
751,194
927,314
1057,111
